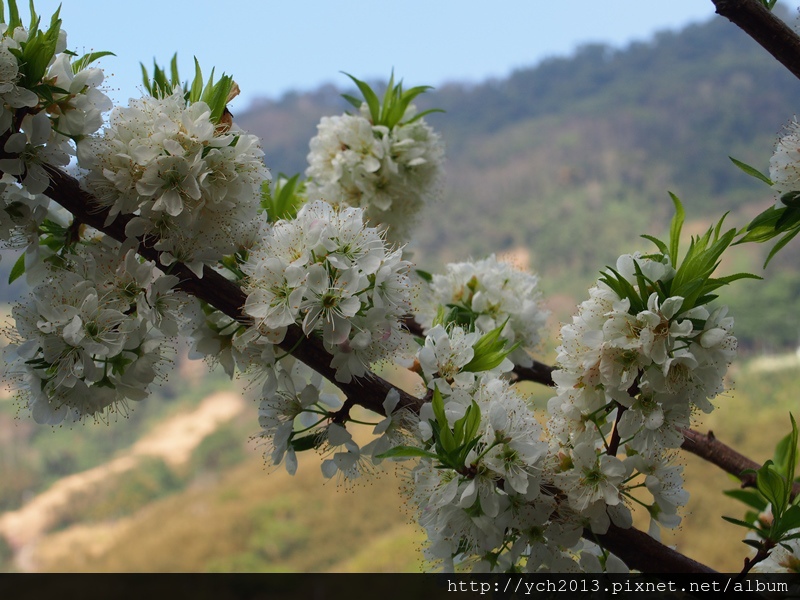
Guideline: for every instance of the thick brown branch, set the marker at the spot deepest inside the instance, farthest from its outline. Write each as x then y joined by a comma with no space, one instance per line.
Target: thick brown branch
765,28
726,458
642,553
538,372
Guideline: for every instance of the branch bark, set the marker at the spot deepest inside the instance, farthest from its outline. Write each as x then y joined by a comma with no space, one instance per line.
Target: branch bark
765,28
641,552
726,458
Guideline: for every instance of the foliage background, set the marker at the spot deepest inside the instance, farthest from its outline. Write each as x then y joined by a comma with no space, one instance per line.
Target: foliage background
561,165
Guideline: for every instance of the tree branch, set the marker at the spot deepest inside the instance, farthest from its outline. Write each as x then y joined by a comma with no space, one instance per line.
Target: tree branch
726,458
641,552
765,28
538,372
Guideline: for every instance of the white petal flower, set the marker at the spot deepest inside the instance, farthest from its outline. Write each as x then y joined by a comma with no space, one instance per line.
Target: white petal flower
494,293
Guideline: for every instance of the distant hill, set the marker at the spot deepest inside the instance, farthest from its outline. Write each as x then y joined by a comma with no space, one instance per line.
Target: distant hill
567,162
570,160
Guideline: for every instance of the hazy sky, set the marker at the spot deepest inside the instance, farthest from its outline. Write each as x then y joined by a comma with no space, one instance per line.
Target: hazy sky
271,47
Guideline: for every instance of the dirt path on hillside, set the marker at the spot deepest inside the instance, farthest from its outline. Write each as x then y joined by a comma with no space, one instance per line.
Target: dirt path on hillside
173,441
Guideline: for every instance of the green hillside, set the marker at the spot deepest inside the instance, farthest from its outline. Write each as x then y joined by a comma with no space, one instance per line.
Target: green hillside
563,164
570,160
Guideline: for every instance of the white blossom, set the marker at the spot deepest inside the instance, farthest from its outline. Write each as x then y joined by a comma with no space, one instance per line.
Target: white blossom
390,174
493,293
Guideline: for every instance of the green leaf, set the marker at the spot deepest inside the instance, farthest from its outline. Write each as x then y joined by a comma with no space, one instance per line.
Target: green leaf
369,96
37,52
196,89
464,451
791,464
407,452
146,79
720,281
662,247
624,289
307,442
473,421
759,234
445,435
774,487
489,351
391,111
643,283
217,99
388,97
424,275
749,497
18,269
753,172
783,449
741,523
87,59
285,200
781,243
353,100
422,114
675,229
791,199
789,520
458,429
13,16
465,428
788,219
175,79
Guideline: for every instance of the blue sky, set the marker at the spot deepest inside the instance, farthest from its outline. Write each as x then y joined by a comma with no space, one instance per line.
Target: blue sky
271,47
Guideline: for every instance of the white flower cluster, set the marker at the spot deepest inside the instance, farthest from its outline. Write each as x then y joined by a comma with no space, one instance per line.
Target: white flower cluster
93,335
333,276
330,273
488,293
646,370
471,512
446,353
784,166
68,107
497,508
191,183
388,173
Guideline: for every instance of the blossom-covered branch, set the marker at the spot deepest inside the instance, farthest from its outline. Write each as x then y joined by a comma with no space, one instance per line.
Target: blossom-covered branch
632,546
219,292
